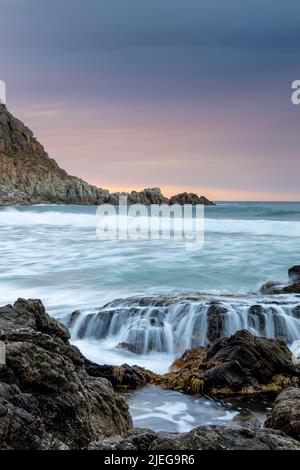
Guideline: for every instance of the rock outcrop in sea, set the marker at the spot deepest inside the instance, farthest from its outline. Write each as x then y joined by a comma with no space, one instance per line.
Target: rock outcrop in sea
241,365
29,176
276,288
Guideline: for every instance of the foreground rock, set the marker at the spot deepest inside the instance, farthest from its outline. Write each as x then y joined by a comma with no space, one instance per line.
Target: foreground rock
201,438
242,365
285,414
48,400
29,176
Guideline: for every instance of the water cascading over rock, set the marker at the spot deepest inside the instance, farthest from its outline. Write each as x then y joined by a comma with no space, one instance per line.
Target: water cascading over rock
174,324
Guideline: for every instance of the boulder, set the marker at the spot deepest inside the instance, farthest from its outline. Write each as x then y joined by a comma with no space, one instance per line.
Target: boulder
285,414
46,388
242,365
201,438
122,377
216,320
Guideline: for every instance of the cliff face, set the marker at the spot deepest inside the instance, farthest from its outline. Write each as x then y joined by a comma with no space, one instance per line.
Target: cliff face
29,176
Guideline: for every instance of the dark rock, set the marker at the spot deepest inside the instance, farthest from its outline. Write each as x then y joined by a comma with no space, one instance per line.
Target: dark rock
292,288
201,438
29,176
271,288
285,414
215,321
294,274
127,346
72,319
24,431
47,387
257,317
190,198
122,377
296,312
242,365
274,288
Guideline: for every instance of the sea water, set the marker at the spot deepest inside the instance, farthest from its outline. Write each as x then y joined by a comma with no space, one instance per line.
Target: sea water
53,253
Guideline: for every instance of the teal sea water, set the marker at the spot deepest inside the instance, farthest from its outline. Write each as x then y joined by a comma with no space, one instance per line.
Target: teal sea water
52,253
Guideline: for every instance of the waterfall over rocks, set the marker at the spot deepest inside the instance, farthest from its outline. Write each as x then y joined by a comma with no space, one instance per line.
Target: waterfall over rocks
172,324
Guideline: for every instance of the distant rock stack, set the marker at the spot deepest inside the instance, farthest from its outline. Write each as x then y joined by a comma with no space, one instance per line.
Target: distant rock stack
29,176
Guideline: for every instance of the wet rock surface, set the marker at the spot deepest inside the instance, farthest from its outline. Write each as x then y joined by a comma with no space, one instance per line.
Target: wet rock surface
242,365
285,414
122,377
201,438
47,397
275,288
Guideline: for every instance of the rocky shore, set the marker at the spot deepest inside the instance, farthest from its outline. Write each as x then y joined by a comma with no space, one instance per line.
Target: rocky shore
29,176
52,397
48,400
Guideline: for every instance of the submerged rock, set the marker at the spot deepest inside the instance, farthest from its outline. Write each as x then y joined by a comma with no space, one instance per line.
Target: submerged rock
285,414
201,438
242,365
46,392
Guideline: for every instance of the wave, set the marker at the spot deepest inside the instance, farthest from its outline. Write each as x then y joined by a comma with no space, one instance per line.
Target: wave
15,217
83,219
254,227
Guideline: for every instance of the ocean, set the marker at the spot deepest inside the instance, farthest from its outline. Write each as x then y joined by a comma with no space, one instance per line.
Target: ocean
53,253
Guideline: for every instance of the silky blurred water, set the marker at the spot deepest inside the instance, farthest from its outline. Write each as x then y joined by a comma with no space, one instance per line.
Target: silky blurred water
172,411
52,253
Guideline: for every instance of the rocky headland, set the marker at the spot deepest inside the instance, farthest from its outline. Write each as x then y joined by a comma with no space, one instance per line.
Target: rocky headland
29,176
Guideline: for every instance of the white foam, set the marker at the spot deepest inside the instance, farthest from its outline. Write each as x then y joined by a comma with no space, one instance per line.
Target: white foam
15,217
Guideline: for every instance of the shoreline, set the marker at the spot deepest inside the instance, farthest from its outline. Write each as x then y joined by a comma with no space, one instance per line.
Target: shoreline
30,335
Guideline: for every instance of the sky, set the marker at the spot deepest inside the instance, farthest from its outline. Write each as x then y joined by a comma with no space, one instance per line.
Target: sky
188,95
